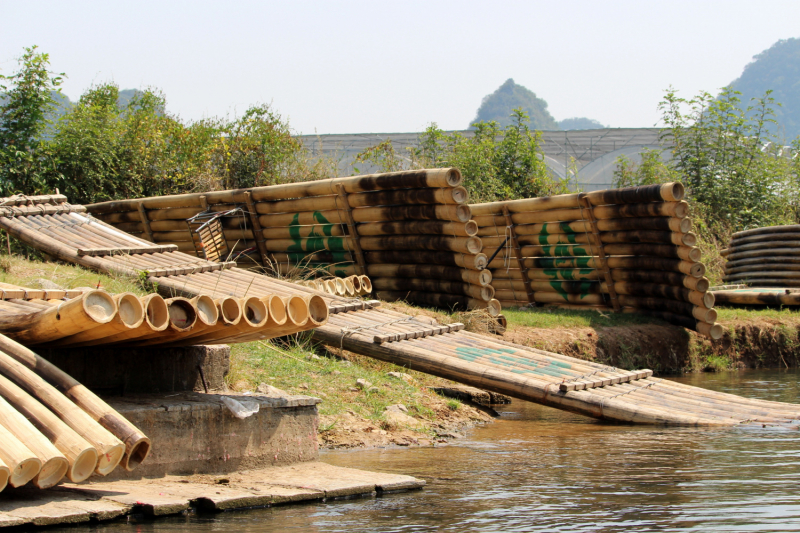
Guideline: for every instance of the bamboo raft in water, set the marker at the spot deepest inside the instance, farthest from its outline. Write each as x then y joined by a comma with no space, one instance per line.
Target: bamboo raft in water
625,249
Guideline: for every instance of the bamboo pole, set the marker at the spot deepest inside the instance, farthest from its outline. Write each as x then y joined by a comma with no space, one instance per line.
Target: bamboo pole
419,227
156,318
136,444
22,463
81,455
110,449
53,463
655,209
769,229
479,292
440,300
634,262
91,309
678,225
474,277
757,297
390,257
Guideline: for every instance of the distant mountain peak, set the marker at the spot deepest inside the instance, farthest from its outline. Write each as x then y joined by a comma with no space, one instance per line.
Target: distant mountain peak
509,96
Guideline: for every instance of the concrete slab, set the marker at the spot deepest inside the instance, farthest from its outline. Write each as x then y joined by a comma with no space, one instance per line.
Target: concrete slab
106,500
196,433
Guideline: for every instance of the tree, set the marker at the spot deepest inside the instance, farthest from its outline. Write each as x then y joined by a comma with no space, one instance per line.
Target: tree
23,120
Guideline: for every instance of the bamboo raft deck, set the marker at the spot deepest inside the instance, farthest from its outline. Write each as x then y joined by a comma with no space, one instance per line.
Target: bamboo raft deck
538,376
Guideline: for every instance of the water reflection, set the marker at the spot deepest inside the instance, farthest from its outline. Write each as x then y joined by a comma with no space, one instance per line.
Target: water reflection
538,469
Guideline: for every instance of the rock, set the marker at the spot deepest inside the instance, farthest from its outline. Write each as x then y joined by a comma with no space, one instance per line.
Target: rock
398,408
400,419
336,372
373,389
345,362
268,390
401,375
47,284
363,384
314,356
303,386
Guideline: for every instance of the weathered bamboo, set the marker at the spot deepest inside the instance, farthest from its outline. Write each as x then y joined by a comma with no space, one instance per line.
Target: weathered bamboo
769,229
766,237
454,213
254,316
440,300
110,448
156,318
772,252
81,455
130,314
679,225
391,257
479,292
54,465
366,284
474,277
419,227
602,212
182,314
22,462
615,237
765,267
355,184
757,297
765,247
70,317
136,444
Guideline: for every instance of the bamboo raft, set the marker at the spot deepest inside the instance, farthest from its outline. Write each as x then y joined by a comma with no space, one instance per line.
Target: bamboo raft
410,232
595,390
628,250
764,257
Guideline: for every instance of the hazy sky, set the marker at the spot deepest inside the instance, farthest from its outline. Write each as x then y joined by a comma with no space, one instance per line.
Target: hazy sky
353,67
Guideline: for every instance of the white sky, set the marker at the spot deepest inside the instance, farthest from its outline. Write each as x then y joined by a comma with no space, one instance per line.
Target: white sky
377,66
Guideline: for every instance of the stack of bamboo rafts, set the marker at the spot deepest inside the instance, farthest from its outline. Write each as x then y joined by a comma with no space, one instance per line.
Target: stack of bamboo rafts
51,225
52,427
624,249
764,257
409,231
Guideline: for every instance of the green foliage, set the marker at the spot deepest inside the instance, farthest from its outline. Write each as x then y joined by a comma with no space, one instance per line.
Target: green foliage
23,119
728,159
580,123
651,170
499,107
497,164
776,69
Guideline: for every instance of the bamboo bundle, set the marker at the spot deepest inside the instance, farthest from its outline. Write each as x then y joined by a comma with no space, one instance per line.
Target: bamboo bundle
625,247
758,296
337,227
763,257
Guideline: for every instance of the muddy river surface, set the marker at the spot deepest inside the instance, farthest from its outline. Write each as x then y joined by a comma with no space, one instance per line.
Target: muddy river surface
539,469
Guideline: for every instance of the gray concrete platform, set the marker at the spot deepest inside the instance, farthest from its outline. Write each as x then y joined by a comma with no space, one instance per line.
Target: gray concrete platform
106,500
194,432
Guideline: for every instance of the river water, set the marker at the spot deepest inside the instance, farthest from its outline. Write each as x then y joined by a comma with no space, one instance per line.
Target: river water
539,469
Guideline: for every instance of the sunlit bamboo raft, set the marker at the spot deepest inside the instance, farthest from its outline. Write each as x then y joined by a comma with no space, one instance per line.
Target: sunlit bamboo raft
764,257
66,232
447,350
410,232
52,427
628,250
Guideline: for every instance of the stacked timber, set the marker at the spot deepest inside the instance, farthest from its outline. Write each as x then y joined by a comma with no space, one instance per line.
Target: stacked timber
350,286
66,232
764,257
52,427
629,250
410,232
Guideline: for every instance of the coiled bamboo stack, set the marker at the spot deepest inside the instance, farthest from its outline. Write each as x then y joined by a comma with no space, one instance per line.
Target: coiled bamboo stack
409,231
625,249
764,257
53,427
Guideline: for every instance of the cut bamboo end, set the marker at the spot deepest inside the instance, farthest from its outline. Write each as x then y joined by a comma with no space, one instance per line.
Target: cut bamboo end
296,310
329,286
713,331
98,305
276,308
182,314
83,465
24,471
255,312
207,312
349,286
136,452
5,473
130,309
156,312
366,284
108,461
51,473
317,310
230,311
339,287
356,284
